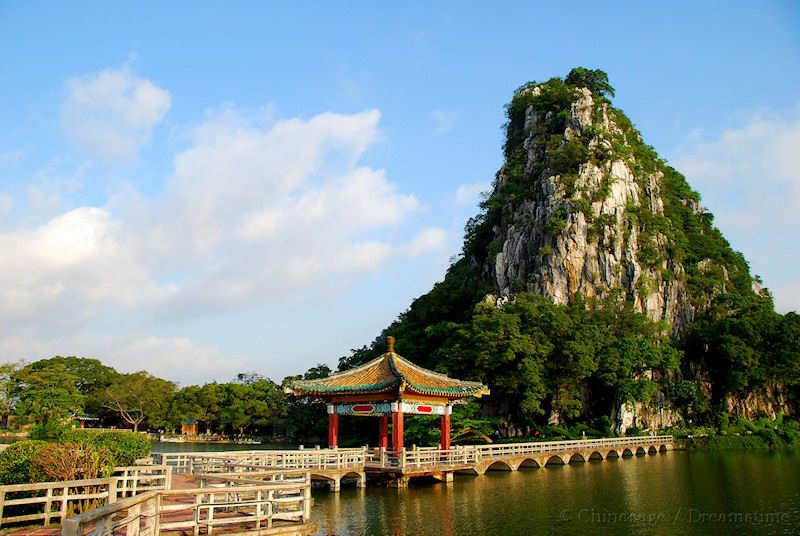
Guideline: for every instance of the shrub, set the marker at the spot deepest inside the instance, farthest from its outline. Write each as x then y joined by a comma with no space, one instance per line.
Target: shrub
72,461
16,465
125,447
49,430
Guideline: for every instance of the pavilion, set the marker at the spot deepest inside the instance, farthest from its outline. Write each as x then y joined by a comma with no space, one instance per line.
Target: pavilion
388,385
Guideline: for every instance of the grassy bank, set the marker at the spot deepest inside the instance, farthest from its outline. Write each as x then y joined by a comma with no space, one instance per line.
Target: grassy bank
743,434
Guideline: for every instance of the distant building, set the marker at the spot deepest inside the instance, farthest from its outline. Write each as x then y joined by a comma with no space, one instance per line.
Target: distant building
84,420
189,427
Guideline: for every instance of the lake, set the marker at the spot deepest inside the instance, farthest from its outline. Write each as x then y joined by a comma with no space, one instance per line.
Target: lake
742,492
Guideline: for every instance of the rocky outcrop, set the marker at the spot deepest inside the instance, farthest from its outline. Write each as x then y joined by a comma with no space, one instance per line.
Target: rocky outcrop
579,234
644,417
764,402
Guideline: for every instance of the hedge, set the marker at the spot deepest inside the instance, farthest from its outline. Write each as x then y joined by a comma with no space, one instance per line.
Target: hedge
16,462
125,447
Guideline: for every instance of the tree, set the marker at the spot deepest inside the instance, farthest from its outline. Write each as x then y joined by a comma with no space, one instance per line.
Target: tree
8,387
47,395
91,379
315,373
138,396
202,403
251,406
594,79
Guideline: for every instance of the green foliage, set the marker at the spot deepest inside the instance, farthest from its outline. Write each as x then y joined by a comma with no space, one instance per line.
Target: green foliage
49,430
594,79
761,433
123,447
538,357
91,378
8,389
247,407
139,397
567,158
16,462
422,431
583,206
557,223
47,394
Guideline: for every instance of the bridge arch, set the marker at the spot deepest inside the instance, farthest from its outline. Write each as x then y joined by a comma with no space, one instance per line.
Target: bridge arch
595,457
529,463
556,459
500,465
640,451
627,453
577,457
652,449
359,478
613,454
663,448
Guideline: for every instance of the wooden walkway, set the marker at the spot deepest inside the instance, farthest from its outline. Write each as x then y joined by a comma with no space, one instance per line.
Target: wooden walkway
269,506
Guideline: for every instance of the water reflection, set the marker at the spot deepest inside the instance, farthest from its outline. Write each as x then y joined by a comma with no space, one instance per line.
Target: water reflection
675,493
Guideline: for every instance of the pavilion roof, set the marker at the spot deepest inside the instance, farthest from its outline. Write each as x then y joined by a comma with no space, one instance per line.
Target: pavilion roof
389,373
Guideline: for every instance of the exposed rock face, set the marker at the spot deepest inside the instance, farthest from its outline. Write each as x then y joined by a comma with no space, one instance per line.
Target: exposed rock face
763,402
644,417
598,249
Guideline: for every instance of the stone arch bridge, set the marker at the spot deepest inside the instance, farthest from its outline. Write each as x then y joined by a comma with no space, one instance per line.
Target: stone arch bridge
397,467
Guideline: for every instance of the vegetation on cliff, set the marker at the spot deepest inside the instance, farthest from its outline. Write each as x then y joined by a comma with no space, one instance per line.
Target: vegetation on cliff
579,362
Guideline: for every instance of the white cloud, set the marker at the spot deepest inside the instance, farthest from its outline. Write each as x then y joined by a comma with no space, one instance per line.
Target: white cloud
111,115
762,156
750,179
255,212
67,267
470,194
173,357
443,121
429,239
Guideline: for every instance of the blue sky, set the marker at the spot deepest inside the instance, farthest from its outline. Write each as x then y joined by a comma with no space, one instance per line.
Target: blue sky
205,188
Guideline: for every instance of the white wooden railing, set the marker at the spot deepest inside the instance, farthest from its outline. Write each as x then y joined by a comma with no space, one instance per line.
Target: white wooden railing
135,479
54,501
216,462
181,462
238,507
500,450
474,454
333,459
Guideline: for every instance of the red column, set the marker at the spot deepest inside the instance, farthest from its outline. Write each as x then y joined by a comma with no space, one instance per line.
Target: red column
397,431
383,432
333,430
445,426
